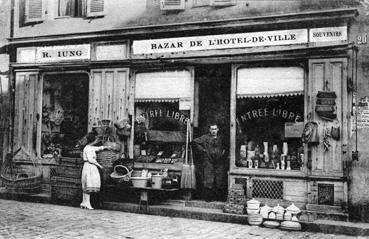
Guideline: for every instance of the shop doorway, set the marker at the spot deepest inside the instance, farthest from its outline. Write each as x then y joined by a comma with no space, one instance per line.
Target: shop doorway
214,107
64,113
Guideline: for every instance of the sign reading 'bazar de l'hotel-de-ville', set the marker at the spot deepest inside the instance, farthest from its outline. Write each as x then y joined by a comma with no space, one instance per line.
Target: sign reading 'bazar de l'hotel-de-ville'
240,40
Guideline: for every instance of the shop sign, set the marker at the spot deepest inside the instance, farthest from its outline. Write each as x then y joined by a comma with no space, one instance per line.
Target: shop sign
227,41
271,113
63,53
293,129
328,34
159,113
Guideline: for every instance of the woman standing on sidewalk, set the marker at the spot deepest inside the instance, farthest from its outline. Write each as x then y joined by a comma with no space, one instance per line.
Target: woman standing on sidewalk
90,173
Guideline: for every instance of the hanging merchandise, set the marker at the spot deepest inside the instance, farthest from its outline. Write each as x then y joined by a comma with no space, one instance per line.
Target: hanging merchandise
326,105
310,133
335,130
123,128
326,143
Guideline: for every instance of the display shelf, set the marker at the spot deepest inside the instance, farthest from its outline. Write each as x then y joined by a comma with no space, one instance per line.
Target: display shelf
158,166
267,172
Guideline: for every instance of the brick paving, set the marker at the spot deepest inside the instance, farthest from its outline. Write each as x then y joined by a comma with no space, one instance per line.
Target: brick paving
35,220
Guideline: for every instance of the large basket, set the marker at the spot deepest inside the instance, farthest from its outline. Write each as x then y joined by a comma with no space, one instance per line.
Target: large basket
21,182
107,157
18,179
66,189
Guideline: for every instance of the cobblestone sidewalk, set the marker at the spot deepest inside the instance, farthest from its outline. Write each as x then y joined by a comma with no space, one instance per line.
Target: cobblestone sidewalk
36,220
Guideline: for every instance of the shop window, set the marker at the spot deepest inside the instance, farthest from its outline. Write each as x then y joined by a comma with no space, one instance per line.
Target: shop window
269,117
162,114
64,114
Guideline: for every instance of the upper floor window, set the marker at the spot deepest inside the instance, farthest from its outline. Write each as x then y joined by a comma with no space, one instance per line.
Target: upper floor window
35,10
72,8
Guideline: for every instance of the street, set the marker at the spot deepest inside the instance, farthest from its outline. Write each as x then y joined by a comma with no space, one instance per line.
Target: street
37,220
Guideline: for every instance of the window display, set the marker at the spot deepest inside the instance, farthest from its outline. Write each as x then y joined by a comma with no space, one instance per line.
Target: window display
266,135
160,132
64,114
270,118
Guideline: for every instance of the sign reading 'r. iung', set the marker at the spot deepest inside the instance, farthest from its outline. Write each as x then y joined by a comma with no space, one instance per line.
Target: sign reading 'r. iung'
63,53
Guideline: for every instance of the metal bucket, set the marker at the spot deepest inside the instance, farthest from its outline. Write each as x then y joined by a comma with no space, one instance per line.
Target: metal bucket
156,181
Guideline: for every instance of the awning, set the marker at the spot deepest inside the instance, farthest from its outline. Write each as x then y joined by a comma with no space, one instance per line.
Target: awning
166,86
262,82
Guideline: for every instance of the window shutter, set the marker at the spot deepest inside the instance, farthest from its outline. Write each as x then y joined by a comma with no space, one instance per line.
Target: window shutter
95,8
223,2
34,10
172,4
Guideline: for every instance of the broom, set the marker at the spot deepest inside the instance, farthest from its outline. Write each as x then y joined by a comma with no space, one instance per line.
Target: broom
186,168
192,165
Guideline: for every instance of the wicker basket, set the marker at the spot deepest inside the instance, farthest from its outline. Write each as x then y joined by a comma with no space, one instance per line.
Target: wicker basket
66,189
107,157
20,180
30,184
121,174
68,171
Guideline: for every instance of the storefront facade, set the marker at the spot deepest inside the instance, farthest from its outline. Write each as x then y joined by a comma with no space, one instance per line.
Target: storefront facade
260,79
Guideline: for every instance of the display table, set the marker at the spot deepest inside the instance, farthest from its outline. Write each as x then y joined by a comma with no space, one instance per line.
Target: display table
144,194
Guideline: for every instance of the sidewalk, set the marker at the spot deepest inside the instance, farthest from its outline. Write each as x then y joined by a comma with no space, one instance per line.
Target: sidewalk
203,211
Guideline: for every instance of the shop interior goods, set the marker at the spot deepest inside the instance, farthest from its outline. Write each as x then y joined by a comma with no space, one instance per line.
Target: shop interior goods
236,200
160,133
268,134
64,115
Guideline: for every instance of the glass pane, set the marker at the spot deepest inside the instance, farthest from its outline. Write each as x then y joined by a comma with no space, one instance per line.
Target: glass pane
160,132
269,132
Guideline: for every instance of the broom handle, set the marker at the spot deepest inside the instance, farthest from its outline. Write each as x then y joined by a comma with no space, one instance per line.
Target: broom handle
187,134
190,146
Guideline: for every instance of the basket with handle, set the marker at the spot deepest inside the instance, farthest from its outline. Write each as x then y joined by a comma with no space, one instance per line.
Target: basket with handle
121,174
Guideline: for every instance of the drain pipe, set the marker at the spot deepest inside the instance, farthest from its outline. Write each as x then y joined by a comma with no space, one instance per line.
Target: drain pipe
11,80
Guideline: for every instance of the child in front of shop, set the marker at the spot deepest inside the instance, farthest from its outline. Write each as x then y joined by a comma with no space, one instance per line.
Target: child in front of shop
91,182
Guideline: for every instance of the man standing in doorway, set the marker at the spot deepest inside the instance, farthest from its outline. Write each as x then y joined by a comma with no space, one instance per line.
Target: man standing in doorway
214,164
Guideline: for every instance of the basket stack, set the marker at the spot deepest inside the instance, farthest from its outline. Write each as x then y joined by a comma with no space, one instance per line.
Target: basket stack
236,200
66,180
